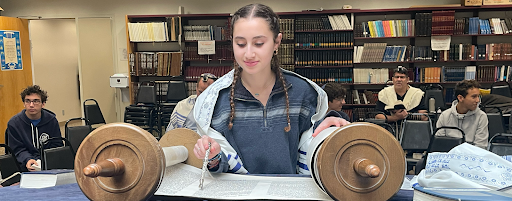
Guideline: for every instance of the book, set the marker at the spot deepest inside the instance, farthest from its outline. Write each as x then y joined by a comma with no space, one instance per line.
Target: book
14,178
48,178
469,194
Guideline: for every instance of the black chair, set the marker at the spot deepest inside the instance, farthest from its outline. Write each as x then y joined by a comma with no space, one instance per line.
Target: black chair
440,144
93,113
370,117
445,143
496,124
415,138
76,134
58,157
145,112
501,88
8,166
501,149
176,91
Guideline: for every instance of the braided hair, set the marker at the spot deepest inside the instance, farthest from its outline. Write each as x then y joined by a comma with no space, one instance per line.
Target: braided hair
266,13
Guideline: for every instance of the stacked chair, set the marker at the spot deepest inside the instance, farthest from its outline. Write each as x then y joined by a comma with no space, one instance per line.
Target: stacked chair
145,112
176,91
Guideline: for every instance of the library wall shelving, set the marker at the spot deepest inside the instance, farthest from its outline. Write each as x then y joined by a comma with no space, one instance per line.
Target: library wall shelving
357,48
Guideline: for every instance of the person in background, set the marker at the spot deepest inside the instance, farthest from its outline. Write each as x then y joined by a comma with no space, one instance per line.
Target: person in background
336,94
183,108
397,101
466,115
33,125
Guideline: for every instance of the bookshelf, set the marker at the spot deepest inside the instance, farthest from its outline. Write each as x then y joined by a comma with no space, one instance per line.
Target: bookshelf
314,48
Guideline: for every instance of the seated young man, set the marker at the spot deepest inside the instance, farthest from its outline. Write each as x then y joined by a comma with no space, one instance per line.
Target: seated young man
336,94
27,129
466,115
410,99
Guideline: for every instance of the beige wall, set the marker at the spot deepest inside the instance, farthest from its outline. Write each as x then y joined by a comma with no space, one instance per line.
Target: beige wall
55,61
118,9
96,64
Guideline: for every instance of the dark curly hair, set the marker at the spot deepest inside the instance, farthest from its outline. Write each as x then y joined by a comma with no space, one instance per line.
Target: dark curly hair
334,91
34,89
463,86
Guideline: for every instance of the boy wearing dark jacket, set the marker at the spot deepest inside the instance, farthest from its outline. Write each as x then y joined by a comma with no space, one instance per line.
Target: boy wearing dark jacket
33,125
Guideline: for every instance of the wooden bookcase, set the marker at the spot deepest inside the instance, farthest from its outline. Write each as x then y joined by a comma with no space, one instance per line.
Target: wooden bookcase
293,54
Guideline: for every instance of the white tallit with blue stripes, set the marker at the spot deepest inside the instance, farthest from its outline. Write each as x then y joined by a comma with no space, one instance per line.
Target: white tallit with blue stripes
203,112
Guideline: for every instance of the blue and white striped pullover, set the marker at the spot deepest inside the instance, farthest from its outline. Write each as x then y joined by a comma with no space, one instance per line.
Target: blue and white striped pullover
257,143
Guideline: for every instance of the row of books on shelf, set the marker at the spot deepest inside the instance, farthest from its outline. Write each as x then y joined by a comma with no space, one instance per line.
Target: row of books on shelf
423,24
362,97
428,24
324,22
194,72
443,22
155,63
286,54
492,51
372,75
386,28
380,52
222,52
287,29
475,25
323,58
206,32
376,75
324,40
152,31
482,73
324,75
170,30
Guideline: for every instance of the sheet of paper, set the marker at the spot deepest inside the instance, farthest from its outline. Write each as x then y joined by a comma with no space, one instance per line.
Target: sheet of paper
183,180
206,47
440,42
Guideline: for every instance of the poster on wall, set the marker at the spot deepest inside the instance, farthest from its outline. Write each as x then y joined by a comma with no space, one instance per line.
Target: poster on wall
10,50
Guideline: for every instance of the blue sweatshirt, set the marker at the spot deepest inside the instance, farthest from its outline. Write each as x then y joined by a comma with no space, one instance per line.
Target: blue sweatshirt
24,137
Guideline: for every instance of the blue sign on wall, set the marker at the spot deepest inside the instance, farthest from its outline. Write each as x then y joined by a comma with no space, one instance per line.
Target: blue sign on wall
10,50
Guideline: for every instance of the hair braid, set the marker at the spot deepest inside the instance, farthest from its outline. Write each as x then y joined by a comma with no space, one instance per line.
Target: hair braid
279,73
238,70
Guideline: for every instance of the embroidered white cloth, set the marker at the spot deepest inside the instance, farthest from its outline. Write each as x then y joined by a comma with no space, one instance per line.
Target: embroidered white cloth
203,111
466,166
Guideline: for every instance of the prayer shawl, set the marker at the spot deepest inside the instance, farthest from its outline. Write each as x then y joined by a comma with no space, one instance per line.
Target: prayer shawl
411,100
203,112
180,113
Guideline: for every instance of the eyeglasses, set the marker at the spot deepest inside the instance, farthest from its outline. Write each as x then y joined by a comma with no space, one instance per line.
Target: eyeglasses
205,77
399,77
35,101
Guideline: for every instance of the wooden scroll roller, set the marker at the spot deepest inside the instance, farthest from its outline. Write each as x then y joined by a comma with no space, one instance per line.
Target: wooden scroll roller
119,161
359,161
